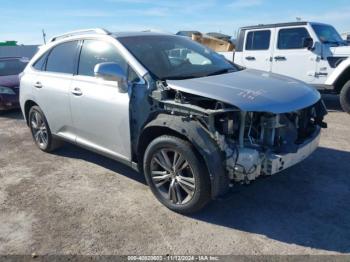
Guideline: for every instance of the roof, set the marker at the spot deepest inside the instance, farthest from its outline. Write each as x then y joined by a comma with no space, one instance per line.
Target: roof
135,34
274,25
101,31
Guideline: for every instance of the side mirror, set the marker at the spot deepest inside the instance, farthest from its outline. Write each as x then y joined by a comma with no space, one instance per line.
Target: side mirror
110,71
308,43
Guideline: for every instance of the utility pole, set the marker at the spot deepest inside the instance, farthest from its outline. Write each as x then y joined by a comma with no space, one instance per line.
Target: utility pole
44,36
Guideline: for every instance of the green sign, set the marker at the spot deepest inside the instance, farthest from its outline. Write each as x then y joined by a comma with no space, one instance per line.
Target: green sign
8,43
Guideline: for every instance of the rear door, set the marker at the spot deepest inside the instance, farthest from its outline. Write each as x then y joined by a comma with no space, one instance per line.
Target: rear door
100,110
258,48
51,85
290,58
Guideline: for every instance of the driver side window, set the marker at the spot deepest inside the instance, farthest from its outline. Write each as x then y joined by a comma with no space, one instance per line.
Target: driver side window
292,38
94,52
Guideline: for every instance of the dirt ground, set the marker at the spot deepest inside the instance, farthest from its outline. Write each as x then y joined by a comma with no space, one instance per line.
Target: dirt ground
77,202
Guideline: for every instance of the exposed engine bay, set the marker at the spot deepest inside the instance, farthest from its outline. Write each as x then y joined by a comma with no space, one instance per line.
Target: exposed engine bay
252,143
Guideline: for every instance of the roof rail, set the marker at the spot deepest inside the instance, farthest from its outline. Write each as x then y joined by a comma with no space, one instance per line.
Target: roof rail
14,57
80,32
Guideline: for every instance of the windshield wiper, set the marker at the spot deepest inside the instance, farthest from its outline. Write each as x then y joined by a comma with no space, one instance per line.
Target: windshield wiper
333,42
221,71
178,77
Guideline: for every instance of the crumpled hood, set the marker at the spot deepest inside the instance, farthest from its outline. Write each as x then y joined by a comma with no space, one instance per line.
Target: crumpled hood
341,50
252,90
9,81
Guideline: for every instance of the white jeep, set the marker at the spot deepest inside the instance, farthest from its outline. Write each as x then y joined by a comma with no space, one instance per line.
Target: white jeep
312,52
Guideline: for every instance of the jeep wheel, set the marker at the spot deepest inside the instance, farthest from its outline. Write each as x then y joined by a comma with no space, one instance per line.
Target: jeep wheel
345,97
41,131
176,175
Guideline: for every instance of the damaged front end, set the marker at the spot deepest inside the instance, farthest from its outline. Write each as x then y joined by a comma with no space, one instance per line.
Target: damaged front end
251,143
266,143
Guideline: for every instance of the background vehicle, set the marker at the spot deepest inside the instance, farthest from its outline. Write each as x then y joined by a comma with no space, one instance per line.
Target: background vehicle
189,119
10,68
312,52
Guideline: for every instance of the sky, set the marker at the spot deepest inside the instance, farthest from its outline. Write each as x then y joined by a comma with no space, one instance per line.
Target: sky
23,20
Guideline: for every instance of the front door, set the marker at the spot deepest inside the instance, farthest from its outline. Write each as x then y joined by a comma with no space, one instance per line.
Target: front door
290,58
100,110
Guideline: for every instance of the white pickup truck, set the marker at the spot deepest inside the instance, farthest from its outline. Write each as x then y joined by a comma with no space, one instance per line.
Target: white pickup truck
312,52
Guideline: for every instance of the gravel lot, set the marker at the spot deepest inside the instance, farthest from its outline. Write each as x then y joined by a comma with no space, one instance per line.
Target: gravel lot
76,202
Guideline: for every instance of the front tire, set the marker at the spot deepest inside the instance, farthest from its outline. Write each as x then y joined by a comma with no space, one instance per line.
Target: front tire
41,131
344,97
176,174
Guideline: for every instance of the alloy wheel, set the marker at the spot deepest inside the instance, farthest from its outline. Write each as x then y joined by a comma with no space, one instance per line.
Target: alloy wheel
172,176
39,129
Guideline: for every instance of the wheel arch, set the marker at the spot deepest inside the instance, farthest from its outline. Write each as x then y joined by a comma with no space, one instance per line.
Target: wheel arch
340,76
341,80
150,133
193,132
27,106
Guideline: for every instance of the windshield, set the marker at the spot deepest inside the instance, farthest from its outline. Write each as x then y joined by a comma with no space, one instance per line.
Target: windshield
11,67
327,34
174,57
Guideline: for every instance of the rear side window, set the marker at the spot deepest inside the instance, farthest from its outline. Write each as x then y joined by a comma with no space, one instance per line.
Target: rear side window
40,64
62,57
94,52
258,40
292,38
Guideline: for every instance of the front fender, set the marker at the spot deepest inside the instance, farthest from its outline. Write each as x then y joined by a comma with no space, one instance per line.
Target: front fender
204,144
334,76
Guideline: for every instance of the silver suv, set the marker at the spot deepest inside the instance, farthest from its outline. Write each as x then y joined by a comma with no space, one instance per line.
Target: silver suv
191,121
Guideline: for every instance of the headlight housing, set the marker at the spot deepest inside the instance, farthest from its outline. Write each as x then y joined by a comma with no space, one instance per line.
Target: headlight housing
6,90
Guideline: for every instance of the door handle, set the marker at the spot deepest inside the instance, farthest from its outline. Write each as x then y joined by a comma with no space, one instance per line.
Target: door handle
38,85
280,58
321,74
250,58
77,91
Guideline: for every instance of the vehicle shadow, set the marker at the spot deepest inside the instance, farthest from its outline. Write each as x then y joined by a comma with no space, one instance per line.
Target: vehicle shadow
332,102
12,114
72,151
306,205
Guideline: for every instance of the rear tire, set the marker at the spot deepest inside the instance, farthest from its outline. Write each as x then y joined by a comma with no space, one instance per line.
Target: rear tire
41,131
176,174
344,97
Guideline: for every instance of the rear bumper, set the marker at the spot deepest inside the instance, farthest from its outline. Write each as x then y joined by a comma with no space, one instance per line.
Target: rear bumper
275,163
9,101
